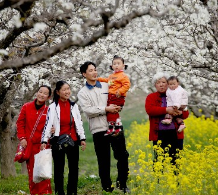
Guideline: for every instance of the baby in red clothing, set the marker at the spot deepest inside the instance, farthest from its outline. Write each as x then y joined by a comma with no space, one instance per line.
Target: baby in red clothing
119,84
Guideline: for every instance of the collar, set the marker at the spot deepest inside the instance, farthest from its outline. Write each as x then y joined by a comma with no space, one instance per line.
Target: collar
118,71
97,84
162,95
38,106
60,102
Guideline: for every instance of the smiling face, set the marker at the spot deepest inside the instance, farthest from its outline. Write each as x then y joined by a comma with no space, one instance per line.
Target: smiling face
42,95
118,65
161,85
64,92
91,74
173,84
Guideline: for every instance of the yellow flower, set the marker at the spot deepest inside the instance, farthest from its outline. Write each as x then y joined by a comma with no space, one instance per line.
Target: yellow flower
159,142
197,163
148,146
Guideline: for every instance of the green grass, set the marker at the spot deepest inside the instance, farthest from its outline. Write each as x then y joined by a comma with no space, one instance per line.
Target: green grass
89,181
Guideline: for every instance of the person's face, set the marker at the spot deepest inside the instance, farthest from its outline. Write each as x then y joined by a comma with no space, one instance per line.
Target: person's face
118,65
91,73
42,95
161,85
64,92
173,84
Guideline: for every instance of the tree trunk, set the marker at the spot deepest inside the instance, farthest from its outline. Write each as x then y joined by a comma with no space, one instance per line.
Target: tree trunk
24,168
7,147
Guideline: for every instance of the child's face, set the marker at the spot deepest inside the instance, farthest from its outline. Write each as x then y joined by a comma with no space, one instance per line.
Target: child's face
118,65
173,84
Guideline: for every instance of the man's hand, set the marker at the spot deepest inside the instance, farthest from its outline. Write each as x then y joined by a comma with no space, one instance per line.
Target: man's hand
112,108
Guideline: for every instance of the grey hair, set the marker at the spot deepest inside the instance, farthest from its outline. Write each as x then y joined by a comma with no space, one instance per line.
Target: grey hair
158,76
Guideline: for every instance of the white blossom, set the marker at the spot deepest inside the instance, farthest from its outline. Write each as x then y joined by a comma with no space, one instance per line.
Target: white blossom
3,52
16,21
40,26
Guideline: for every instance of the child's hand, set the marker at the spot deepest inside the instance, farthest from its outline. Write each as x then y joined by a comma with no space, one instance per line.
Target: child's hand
118,94
175,108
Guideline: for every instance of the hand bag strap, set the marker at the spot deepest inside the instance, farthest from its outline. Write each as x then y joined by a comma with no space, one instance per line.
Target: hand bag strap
71,120
37,122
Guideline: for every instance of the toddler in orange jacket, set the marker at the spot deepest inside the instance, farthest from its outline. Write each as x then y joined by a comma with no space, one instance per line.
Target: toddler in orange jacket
119,84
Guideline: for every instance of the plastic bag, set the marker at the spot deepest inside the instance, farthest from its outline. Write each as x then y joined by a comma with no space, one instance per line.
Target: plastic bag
42,166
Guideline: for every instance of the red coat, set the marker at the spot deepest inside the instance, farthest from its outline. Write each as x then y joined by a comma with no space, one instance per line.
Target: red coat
154,110
25,123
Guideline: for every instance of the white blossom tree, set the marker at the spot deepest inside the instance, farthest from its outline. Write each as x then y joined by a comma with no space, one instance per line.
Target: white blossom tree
42,41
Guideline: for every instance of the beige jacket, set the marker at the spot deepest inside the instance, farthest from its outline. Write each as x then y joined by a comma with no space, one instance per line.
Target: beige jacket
93,102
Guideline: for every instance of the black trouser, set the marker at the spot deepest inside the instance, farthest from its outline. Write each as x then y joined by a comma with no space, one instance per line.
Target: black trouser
169,137
103,146
59,162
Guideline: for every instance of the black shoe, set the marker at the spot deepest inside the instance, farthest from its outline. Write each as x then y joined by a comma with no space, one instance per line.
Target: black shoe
110,189
124,189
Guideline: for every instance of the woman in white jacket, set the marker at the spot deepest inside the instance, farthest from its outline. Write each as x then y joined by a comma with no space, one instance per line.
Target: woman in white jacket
65,117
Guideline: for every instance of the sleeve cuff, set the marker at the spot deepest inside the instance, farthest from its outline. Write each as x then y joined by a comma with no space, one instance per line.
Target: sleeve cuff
102,109
22,138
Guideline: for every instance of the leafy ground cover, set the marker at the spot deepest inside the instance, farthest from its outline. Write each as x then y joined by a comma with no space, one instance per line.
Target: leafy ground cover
198,162
197,171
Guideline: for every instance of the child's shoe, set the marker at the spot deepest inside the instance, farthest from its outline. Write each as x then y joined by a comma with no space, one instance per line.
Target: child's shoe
118,127
181,128
111,130
166,121
116,132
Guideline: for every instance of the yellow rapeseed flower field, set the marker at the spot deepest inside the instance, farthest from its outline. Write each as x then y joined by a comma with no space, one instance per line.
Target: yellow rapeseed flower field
197,169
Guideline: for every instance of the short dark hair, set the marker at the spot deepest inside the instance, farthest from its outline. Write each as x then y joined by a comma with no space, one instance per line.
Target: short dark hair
49,89
85,66
173,78
118,57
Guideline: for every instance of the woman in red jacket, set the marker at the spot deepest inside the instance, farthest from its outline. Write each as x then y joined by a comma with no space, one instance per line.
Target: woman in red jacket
156,108
34,114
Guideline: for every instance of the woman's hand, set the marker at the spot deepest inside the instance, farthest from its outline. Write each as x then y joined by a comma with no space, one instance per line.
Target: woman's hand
83,145
179,112
52,130
43,146
172,111
23,143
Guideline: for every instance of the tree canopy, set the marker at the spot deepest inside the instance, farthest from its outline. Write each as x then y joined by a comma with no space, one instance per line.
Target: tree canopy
42,41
